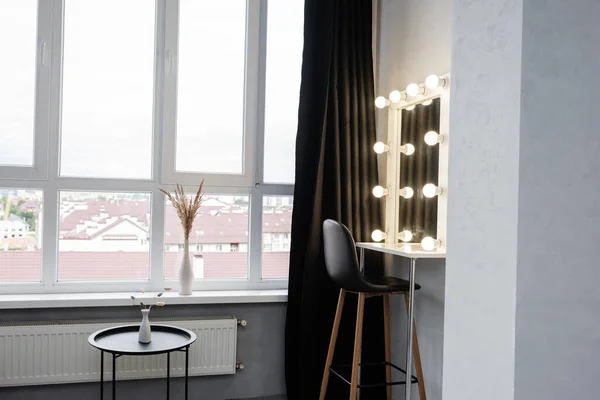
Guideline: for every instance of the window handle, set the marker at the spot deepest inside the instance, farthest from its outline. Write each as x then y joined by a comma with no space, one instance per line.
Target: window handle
44,53
170,64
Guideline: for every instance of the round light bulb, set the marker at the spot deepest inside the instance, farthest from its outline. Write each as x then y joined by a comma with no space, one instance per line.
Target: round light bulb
427,102
432,82
430,190
378,236
429,244
432,138
407,149
410,108
412,90
381,102
381,147
405,236
380,191
395,96
406,192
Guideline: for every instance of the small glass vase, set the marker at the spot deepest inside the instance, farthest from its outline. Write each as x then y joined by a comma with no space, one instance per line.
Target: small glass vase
145,335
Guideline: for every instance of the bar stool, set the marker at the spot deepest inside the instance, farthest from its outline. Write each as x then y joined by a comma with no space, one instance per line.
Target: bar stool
343,268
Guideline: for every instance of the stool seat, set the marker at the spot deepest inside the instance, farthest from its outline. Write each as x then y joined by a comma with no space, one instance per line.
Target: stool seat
388,284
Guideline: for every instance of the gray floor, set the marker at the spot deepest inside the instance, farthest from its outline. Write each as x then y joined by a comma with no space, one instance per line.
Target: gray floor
282,397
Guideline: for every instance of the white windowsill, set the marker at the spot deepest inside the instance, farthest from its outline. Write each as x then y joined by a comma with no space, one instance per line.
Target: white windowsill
16,301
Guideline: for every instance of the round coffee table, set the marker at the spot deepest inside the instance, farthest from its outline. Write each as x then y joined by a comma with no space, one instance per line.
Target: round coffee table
123,340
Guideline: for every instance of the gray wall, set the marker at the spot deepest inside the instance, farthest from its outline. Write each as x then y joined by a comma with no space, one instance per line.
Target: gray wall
260,348
522,300
558,313
413,42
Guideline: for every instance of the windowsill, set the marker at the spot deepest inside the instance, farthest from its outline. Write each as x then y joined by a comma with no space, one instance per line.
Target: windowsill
67,300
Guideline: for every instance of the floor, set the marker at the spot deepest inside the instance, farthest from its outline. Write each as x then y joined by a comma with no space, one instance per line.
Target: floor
281,397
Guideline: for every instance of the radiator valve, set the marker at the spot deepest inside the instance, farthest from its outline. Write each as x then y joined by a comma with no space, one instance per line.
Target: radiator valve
242,322
239,365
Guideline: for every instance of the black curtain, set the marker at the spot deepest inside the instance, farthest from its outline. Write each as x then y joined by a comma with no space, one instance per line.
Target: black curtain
336,170
419,214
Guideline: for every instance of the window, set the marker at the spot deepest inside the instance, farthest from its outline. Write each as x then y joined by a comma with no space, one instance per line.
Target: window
101,236
210,127
99,120
17,80
284,60
277,225
20,255
107,89
224,222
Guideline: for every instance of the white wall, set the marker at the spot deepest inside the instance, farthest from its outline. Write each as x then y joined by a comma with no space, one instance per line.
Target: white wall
413,42
482,201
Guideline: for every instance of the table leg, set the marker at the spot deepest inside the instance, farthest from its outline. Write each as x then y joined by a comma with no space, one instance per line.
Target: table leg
114,373
187,363
168,374
101,374
409,327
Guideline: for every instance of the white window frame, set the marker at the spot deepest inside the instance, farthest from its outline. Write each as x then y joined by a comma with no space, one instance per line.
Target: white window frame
45,174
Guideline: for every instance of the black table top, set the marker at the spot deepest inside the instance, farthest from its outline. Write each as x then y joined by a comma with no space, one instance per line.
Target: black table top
124,340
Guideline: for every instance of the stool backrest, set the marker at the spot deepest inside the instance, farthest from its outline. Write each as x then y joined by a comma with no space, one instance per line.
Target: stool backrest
340,257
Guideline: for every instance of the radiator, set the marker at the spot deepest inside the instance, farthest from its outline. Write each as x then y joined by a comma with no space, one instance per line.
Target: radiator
59,352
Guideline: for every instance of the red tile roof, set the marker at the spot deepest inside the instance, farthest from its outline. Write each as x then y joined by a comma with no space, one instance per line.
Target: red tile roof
20,266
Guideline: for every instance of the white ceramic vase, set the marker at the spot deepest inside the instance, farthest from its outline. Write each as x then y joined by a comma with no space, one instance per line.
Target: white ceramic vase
145,335
186,274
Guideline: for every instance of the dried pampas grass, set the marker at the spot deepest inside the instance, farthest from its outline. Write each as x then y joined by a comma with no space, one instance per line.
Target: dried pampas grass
187,207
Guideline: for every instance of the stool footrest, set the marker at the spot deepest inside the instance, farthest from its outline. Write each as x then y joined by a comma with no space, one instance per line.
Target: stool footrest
373,364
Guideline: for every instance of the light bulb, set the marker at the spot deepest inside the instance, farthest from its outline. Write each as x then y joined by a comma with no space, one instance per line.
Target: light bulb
380,191
427,102
406,192
381,102
378,236
434,81
405,235
395,96
410,108
430,190
407,149
381,147
432,138
412,90
429,244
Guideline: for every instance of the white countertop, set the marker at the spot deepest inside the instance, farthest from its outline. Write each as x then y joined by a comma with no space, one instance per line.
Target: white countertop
409,250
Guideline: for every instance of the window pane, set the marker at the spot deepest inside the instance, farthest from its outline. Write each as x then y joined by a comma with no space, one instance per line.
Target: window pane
20,235
18,27
285,38
210,97
277,234
108,89
103,236
218,241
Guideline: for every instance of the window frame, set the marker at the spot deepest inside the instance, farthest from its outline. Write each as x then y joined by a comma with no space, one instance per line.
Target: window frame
45,175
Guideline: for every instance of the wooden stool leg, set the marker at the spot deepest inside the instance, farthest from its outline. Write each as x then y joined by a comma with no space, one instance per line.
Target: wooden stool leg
334,334
357,345
417,356
388,349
